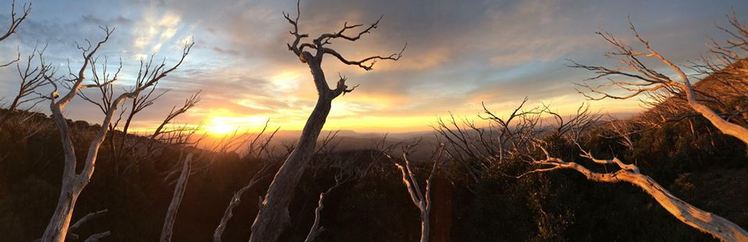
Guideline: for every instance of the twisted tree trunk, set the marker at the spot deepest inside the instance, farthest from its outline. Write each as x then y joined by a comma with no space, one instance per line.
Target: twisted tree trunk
273,216
72,183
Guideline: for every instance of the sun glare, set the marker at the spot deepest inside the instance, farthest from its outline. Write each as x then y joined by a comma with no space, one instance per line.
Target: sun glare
219,127
228,125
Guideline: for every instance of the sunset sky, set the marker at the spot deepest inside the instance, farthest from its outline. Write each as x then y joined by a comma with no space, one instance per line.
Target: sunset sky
459,53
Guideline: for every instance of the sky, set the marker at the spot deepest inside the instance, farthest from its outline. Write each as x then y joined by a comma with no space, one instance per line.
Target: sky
459,54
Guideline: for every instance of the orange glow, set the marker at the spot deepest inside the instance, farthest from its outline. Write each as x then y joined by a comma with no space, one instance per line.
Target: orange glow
224,123
219,127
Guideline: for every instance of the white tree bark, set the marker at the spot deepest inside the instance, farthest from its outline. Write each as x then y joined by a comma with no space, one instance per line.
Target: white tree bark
704,221
316,228
273,216
91,216
645,79
176,200
236,199
723,125
73,183
648,80
420,198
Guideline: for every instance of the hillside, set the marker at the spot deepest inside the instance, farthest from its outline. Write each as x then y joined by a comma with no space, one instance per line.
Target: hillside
571,208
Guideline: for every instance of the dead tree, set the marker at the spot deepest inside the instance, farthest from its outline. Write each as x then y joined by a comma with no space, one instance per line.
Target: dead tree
483,148
73,182
317,228
576,126
89,217
175,112
176,199
142,101
31,78
106,98
420,197
15,21
640,78
273,216
72,235
704,221
263,173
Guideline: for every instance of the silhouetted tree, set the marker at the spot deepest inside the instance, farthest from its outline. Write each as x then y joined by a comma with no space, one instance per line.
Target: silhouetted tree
15,21
273,216
31,78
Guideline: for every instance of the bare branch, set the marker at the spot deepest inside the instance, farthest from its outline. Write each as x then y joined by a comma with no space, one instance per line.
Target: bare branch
704,221
365,63
643,79
420,198
176,200
16,20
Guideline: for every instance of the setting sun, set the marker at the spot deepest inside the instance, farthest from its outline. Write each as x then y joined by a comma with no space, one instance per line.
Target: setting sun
494,120
219,127
226,125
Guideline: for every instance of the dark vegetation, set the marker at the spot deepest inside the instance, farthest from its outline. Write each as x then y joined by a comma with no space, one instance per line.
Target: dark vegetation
707,169
487,189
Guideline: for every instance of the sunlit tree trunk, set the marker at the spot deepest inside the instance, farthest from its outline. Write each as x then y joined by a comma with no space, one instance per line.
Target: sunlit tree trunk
273,216
704,221
73,183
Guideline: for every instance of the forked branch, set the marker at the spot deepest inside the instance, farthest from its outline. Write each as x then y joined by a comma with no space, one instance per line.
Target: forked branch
15,19
640,78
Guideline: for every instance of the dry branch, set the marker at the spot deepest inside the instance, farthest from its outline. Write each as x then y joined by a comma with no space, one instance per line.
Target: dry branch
73,182
316,228
641,78
421,198
704,221
176,199
273,216
263,173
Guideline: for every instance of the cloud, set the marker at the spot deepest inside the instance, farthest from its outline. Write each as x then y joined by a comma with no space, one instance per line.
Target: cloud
153,30
459,53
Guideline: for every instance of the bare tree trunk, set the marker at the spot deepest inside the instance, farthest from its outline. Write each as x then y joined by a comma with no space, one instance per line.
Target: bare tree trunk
218,233
316,229
273,216
236,199
425,225
58,225
176,200
14,104
421,198
73,183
